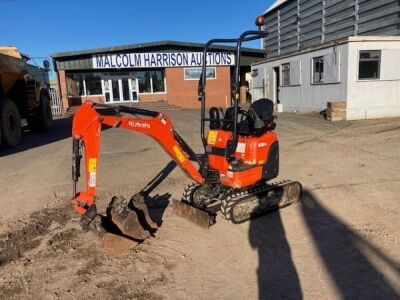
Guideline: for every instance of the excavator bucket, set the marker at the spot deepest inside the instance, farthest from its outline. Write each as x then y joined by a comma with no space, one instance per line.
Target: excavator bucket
192,214
114,244
127,219
125,225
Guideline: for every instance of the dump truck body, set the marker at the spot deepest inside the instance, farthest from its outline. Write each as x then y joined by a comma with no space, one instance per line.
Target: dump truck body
12,69
22,95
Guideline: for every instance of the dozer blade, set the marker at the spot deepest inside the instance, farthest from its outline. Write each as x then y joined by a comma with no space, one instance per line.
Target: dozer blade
127,220
193,214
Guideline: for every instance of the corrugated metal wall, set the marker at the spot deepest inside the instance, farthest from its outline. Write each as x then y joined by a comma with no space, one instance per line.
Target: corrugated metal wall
298,24
74,63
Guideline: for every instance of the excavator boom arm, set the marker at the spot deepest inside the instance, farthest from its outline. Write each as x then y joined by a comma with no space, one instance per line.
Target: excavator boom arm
86,133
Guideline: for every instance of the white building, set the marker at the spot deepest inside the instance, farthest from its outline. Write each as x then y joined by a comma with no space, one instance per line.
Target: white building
364,71
323,51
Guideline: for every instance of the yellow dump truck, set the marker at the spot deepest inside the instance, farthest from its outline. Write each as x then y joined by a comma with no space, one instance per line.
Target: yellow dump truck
21,97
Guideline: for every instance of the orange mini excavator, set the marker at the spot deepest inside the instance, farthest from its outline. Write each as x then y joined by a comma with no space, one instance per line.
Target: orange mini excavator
241,157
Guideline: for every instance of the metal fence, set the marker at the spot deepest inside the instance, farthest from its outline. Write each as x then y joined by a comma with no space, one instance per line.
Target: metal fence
56,103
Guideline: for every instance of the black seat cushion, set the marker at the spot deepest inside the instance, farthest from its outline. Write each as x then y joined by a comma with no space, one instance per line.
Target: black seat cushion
229,118
244,127
261,116
264,109
243,124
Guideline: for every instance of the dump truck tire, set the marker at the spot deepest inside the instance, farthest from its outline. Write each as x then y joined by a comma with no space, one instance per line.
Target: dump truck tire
43,118
46,115
10,123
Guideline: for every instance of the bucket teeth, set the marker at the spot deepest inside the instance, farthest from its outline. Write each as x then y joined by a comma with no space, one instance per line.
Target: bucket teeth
89,216
97,227
127,220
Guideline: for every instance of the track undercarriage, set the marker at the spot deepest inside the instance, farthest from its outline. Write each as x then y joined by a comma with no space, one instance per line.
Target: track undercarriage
240,205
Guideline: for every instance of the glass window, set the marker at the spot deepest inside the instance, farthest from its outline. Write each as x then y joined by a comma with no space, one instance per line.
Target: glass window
144,81
75,85
115,89
285,74
157,78
369,64
195,73
318,69
151,81
93,84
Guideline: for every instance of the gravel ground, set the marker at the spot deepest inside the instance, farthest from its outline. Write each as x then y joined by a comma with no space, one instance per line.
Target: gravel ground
341,241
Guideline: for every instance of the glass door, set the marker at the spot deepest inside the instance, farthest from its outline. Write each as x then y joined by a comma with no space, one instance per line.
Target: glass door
111,89
120,89
115,90
125,89
134,89
106,85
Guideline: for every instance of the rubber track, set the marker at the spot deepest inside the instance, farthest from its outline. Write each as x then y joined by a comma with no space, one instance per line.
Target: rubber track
235,196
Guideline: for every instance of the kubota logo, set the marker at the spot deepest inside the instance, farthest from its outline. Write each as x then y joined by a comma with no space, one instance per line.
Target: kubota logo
137,124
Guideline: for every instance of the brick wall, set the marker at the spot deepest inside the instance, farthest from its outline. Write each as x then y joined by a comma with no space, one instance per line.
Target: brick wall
153,97
183,92
96,99
63,89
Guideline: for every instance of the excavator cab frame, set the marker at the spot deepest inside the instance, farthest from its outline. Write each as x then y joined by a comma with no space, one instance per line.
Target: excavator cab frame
247,36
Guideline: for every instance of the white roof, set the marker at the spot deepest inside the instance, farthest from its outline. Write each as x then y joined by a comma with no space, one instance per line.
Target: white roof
275,5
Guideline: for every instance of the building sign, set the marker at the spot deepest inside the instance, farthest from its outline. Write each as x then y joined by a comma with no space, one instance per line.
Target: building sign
160,60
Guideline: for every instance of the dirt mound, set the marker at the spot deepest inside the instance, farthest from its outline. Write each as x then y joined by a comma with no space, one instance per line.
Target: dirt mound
49,256
14,244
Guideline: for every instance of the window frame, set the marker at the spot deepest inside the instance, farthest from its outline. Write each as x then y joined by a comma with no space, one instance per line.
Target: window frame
151,82
83,75
281,75
72,76
103,75
369,59
197,79
321,58
84,85
164,79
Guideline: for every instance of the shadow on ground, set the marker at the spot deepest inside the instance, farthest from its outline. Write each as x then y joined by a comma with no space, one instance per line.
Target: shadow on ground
61,130
341,250
2,261
276,273
158,203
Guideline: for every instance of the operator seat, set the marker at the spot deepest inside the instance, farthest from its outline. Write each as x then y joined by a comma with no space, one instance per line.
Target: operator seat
258,119
261,116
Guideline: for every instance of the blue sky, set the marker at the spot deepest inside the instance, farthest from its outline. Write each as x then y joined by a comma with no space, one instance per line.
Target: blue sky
40,28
